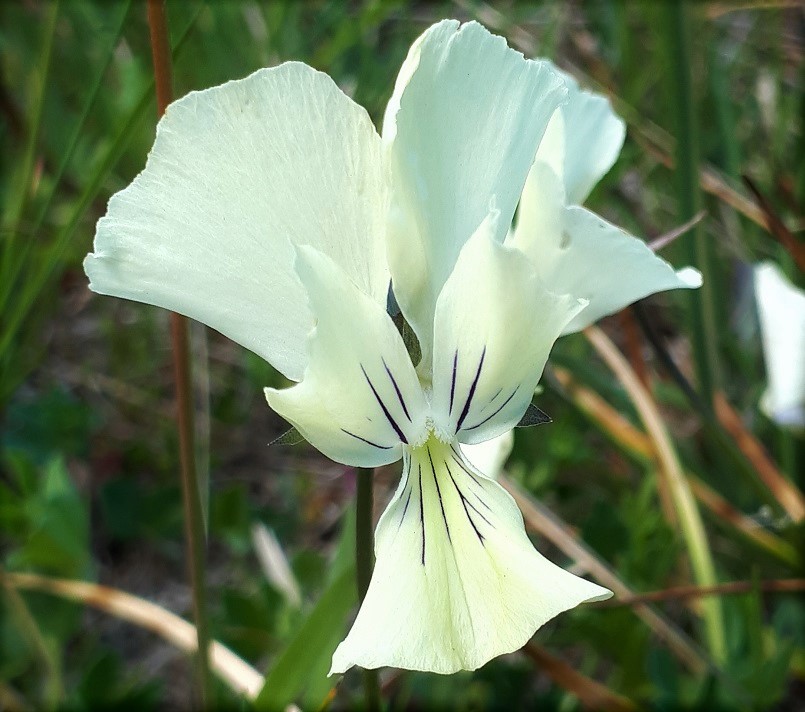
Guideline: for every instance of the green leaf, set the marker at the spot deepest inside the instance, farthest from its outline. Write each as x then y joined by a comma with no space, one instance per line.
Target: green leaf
53,526
304,664
301,669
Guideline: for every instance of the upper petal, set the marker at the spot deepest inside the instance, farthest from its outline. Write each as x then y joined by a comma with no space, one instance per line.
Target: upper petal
457,581
582,142
239,174
463,125
495,325
359,400
781,307
577,252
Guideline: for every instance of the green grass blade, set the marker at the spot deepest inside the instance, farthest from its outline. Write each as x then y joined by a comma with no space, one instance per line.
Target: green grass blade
18,198
52,256
24,251
301,669
89,102
704,334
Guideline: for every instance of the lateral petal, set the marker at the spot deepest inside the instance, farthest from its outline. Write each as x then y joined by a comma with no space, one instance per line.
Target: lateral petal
462,126
238,175
457,581
577,252
494,327
359,400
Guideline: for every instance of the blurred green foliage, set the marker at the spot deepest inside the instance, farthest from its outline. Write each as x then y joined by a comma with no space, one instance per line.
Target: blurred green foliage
88,447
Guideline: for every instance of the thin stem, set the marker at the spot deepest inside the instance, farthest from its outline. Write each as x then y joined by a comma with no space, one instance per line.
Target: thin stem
161,54
235,672
692,528
729,588
591,693
364,560
194,526
714,426
704,334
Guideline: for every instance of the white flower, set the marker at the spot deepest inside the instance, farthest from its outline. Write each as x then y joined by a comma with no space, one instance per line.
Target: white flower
489,456
574,250
271,210
781,307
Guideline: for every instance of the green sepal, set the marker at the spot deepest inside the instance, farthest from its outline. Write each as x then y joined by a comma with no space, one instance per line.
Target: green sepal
289,437
533,416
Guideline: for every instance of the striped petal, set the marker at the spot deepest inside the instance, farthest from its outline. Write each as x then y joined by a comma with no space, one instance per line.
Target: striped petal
359,401
457,581
495,325
463,126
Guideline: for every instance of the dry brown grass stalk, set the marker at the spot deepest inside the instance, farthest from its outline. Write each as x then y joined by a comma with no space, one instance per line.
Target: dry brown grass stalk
229,667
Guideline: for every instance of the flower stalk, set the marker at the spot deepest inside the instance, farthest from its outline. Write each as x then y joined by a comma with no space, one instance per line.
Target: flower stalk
182,370
364,558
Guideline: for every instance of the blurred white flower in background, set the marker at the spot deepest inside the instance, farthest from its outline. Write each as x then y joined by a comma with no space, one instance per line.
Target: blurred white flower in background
781,308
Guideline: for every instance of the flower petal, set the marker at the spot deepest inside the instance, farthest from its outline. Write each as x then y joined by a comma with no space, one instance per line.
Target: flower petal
781,307
239,174
582,142
463,125
457,581
577,252
360,399
494,327
490,455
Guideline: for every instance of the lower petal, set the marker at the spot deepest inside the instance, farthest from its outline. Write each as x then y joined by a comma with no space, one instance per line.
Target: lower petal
457,581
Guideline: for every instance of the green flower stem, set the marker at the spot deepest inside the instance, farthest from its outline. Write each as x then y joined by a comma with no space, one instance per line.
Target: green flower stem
704,334
364,559
194,526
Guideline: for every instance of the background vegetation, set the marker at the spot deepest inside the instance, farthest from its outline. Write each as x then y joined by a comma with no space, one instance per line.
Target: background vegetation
615,487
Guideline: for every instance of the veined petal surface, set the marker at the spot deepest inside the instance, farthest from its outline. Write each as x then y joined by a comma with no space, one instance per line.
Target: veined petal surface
456,581
238,175
577,252
582,141
781,308
489,456
494,327
359,400
462,127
